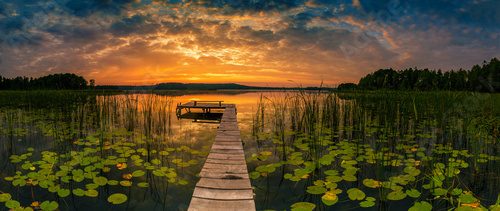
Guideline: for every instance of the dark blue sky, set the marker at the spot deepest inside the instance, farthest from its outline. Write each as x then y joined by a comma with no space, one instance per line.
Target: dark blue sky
247,41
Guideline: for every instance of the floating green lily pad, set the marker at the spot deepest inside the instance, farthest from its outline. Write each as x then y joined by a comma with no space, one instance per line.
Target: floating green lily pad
63,192
101,181
5,197
421,206
355,194
91,193
78,192
138,173
330,198
316,190
117,198
396,195
413,193
49,205
303,206
12,204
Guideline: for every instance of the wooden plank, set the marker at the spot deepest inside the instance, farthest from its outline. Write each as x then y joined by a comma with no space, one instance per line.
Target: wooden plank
225,156
198,204
223,168
220,175
217,146
223,194
224,184
227,162
228,151
228,143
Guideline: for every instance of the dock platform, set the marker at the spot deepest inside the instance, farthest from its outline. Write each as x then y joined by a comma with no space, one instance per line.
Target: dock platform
224,182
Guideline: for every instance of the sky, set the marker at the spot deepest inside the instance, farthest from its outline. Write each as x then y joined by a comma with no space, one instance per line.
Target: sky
252,42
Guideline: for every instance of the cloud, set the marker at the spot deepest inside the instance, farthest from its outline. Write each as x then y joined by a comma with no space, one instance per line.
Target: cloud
254,42
136,24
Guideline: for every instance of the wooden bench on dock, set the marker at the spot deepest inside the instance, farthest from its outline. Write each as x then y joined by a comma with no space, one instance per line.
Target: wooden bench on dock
224,182
205,106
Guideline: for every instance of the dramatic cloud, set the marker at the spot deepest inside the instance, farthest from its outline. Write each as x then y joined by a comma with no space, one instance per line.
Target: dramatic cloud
259,42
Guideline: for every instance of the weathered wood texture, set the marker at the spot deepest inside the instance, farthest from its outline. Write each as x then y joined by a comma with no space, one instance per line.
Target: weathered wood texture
224,183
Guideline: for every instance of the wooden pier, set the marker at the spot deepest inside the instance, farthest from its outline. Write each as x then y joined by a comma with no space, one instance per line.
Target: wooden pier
224,183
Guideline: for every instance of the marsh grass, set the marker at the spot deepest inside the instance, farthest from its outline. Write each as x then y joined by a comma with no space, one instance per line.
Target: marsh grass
71,153
438,147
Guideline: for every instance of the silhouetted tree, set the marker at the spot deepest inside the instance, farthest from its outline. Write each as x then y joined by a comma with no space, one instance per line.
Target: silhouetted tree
347,86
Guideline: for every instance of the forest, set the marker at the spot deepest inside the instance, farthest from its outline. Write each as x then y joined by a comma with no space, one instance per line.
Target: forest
484,78
54,81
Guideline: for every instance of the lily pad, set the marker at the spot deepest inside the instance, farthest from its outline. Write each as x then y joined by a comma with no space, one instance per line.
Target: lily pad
143,184
101,181
138,173
316,189
12,204
63,192
117,198
5,197
371,183
421,206
78,192
330,198
367,203
356,194
91,193
413,193
303,206
396,195
49,205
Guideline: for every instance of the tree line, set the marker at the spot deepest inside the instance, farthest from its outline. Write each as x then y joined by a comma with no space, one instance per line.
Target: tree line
484,78
53,81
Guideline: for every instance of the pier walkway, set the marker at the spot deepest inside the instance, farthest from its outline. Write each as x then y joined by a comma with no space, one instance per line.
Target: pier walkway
224,183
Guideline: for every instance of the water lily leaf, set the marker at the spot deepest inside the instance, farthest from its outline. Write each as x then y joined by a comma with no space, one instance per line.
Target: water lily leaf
63,192
138,173
467,199
5,197
421,206
143,184
439,191
49,205
12,204
254,175
117,198
92,186
91,193
396,195
329,198
303,206
456,191
112,182
371,183
101,181
355,194
333,178
349,178
367,203
78,178
158,173
413,193
19,182
125,183
331,172
78,192
316,189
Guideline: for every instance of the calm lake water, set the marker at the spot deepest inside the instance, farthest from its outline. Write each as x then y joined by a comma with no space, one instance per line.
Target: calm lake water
334,151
